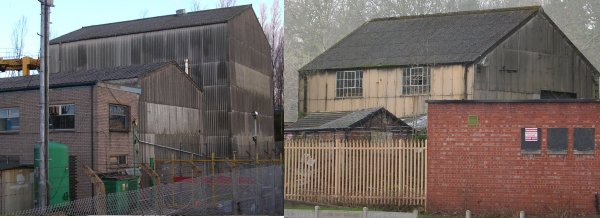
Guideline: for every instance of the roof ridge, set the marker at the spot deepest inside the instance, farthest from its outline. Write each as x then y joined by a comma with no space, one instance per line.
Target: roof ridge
457,13
167,15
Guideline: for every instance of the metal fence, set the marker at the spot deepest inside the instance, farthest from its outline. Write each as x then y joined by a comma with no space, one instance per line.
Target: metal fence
240,190
356,172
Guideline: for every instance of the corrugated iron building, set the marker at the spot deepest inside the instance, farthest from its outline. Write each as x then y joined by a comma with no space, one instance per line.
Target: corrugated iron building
228,56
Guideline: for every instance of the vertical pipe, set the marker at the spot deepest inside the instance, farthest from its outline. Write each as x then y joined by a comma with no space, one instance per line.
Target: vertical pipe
134,144
92,133
44,70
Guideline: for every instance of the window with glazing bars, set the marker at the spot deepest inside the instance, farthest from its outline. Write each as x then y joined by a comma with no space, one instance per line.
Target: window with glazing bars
62,116
118,118
349,84
415,80
9,119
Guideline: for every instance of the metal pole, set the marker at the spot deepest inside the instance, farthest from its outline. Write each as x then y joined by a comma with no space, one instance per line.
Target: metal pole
43,71
134,144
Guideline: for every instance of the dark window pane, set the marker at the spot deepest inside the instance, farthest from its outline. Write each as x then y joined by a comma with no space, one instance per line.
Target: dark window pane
3,113
557,140
584,140
3,124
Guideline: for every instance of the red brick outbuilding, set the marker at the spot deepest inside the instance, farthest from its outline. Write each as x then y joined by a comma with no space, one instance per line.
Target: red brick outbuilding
502,157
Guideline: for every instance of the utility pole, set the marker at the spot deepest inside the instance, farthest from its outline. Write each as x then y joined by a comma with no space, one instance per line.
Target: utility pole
44,71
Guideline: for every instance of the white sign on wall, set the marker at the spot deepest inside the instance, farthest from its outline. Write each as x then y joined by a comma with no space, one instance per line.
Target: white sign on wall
531,134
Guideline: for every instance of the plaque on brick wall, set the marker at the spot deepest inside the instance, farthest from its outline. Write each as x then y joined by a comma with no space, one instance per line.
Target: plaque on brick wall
584,140
557,140
530,140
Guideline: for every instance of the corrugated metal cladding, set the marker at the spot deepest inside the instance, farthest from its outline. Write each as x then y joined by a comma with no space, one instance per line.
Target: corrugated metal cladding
230,61
251,85
171,113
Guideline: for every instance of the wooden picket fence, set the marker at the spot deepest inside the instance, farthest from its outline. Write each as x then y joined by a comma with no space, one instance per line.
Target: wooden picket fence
356,172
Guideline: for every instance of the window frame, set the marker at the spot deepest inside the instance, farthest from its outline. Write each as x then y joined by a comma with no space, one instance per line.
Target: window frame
349,84
8,116
117,163
127,117
410,86
60,107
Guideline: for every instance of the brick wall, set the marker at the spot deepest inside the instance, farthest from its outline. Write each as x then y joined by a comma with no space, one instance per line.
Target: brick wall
78,140
112,143
482,168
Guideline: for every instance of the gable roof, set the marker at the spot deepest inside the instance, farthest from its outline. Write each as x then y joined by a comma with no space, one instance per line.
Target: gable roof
458,37
338,119
172,21
80,78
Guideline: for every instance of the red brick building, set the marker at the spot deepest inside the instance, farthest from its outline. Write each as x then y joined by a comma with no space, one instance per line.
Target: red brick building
501,157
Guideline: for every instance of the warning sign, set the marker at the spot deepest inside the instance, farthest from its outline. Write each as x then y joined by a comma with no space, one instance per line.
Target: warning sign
531,134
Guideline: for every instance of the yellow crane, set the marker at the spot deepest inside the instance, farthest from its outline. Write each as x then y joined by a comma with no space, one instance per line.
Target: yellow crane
24,64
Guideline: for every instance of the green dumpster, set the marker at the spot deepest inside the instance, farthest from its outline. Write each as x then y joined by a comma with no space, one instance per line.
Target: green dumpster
119,202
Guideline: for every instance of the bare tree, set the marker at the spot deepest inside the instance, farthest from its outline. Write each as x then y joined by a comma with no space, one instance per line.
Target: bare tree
144,13
273,28
196,6
18,34
18,42
226,3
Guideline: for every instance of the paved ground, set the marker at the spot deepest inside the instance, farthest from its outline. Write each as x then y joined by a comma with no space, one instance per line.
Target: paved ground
297,213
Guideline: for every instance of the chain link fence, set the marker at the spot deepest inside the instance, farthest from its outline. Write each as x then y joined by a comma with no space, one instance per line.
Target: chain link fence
239,190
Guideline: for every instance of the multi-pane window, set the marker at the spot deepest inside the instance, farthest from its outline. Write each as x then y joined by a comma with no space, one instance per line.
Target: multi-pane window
62,116
119,118
415,80
118,160
349,84
9,119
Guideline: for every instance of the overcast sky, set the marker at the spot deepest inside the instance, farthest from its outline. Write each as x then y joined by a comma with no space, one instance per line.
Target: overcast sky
68,15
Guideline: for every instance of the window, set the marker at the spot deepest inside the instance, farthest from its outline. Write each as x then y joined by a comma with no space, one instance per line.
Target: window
557,140
584,140
119,118
118,160
530,140
415,80
9,119
62,116
349,84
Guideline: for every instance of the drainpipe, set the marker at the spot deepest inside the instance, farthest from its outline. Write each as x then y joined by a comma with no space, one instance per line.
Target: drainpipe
466,76
92,131
134,143
255,138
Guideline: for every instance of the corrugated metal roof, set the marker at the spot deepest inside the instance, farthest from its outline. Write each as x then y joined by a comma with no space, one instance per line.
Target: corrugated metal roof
173,21
336,120
426,39
63,79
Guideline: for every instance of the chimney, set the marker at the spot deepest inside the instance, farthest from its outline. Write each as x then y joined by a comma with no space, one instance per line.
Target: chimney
180,12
